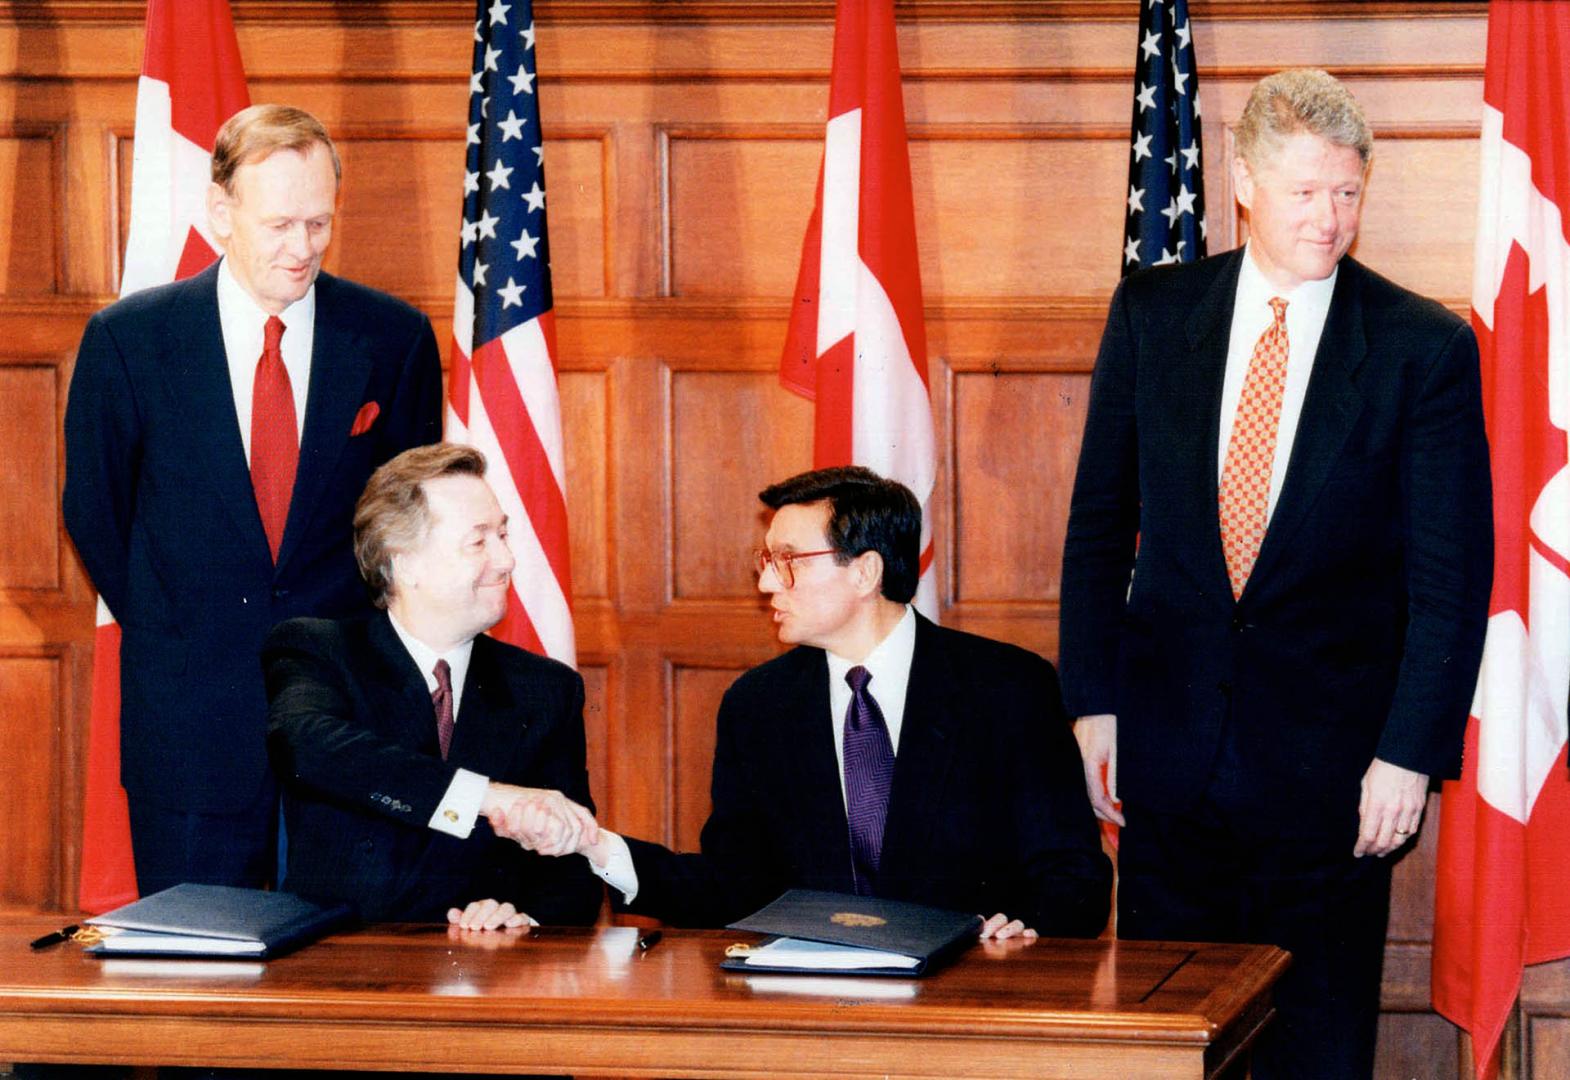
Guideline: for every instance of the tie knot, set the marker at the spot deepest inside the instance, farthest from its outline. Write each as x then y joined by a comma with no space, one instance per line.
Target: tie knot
272,333
858,677
443,676
1279,306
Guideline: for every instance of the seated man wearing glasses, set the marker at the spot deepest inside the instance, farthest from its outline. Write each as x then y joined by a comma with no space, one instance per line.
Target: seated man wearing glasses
884,755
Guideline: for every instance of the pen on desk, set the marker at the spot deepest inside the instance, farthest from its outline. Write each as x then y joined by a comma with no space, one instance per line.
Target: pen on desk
55,938
649,940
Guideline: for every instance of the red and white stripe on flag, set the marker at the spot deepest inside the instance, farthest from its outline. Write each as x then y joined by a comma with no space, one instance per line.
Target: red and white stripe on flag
502,396
192,81
1503,880
857,344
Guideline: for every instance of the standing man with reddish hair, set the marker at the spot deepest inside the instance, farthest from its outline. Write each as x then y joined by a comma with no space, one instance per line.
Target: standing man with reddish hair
218,432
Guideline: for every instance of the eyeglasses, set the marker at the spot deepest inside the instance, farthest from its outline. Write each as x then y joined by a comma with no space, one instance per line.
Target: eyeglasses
784,563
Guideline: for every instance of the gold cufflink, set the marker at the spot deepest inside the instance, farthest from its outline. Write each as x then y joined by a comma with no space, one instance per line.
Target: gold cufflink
452,816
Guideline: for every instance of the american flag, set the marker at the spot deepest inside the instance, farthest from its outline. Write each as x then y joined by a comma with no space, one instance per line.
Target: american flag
502,394
1165,222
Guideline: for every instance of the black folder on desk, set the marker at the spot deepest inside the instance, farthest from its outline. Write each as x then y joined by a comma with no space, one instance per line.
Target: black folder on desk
214,920
821,933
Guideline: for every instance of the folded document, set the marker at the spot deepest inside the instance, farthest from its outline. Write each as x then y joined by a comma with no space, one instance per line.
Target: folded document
214,920
825,932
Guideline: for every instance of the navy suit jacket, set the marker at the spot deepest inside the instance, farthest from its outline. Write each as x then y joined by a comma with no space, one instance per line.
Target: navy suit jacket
1360,630
158,499
987,811
353,735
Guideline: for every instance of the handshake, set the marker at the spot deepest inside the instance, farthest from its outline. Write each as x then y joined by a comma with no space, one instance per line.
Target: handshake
540,820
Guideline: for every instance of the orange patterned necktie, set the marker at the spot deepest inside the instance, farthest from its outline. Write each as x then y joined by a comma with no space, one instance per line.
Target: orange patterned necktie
1244,493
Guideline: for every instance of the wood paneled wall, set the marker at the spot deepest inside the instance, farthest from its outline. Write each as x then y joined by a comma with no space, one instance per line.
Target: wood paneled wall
683,145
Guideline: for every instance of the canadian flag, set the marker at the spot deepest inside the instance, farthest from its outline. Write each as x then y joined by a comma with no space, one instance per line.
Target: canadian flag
857,344
1503,888
192,81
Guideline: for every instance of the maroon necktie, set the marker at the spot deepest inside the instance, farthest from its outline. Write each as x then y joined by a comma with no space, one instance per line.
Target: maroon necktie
275,438
869,772
441,698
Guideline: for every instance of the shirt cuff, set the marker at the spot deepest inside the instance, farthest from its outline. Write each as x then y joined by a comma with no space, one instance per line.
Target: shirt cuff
460,806
618,871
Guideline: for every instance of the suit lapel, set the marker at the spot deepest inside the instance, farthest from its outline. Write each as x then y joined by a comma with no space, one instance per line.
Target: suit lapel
1330,408
807,739
398,673
925,755
198,380
1190,395
340,369
491,720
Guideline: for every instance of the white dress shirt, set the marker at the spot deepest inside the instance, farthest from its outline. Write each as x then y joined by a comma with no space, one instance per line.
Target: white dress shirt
244,324
888,664
460,805
1308,305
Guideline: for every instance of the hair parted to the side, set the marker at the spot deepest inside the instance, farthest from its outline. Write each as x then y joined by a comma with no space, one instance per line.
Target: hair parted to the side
392,514
1301,99
254,133
866,513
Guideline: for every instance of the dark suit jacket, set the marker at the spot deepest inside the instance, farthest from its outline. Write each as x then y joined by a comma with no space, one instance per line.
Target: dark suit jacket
353,736
159,501
987,811
1361,628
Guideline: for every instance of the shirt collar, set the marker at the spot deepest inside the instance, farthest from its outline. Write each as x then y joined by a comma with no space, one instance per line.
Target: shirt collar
425,657
235,304
890,659
1254,290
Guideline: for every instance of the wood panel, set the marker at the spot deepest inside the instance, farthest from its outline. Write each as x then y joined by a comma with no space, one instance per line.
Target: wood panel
695,702
29,470
28,188
732,434
684,145
996,483
30,691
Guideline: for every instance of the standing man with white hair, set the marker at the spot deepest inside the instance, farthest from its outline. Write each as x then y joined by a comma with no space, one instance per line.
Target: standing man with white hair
1276,579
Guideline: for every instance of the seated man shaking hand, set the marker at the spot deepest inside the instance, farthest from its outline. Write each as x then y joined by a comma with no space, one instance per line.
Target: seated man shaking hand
884,755
392,734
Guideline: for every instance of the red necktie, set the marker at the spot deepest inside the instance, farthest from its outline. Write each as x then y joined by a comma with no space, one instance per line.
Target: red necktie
441,699
275,438
1244,493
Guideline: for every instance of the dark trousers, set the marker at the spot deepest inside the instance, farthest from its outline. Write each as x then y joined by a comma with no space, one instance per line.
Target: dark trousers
1212,875
173,846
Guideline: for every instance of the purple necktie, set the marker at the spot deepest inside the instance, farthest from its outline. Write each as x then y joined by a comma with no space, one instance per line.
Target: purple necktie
441,698
869,771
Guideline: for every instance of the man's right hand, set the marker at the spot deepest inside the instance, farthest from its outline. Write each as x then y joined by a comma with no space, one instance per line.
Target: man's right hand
1098,748
539,819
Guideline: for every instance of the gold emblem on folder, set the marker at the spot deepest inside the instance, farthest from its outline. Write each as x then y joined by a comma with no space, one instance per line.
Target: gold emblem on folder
856,919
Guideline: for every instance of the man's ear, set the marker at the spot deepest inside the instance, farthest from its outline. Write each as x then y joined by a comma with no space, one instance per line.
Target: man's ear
218,219
1243,182
869,573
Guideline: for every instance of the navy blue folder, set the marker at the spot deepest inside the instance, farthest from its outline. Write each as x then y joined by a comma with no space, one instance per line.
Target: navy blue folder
214,920
925,935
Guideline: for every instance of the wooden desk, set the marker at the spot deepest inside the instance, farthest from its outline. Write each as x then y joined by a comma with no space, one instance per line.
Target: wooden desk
584,1001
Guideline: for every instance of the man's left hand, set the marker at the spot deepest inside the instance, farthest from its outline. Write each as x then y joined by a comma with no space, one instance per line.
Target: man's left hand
488,915
1391,808
1000,926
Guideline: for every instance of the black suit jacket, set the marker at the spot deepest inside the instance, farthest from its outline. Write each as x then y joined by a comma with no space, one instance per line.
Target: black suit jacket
353,735
158,499
987,811
1361,628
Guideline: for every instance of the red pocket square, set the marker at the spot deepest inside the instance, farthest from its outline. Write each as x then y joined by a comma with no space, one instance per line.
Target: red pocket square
364,418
